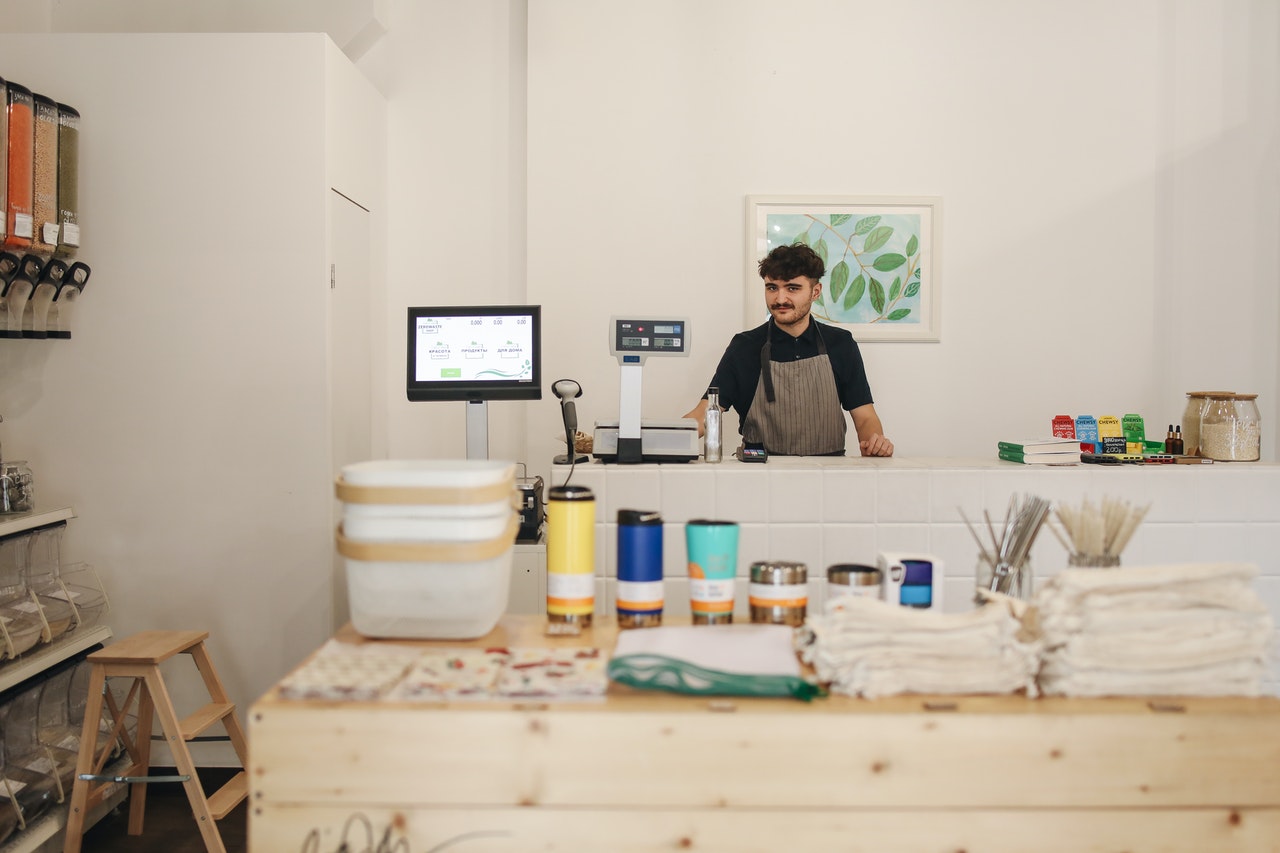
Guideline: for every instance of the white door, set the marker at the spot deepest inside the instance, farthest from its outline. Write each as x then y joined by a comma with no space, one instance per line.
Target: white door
350,353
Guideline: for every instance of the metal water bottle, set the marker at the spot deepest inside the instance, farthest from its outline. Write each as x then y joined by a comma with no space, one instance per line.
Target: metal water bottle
712,449
640,593
571,548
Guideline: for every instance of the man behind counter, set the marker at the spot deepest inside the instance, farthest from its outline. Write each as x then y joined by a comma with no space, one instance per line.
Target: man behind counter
792,378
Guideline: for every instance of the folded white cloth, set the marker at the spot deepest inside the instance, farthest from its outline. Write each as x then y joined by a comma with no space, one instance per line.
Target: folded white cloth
1233,678
870,648
1194,629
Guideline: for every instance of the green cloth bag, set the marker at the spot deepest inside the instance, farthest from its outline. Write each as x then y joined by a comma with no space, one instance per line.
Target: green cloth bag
659,672
711,660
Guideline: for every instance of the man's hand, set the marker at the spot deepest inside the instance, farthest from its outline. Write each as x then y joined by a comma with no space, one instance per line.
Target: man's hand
871,440
876,445
699,414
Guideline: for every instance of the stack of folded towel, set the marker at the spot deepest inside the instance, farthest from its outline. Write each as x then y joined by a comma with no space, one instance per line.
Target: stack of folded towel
1194,629
870,648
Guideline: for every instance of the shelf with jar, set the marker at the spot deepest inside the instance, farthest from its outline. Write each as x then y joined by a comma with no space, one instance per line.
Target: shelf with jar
50,620
42,599
41,726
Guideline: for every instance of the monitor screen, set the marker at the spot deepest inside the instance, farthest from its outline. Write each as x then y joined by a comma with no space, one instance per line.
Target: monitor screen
475,352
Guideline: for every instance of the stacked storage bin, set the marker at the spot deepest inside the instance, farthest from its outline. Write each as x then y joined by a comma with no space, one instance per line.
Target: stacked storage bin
428,545
42,600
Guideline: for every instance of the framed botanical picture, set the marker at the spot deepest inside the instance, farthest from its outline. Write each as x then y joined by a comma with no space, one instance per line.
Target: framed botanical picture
880,253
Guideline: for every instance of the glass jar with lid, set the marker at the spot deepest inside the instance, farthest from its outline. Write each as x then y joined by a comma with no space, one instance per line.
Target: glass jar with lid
1231,428
1196,402
17,487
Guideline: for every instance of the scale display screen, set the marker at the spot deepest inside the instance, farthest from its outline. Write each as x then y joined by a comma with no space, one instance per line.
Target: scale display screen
654,337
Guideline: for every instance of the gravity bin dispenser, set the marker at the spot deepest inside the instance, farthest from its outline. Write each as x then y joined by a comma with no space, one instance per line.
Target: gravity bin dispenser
631,439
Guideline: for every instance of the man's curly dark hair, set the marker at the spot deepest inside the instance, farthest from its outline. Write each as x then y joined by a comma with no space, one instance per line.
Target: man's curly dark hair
787,262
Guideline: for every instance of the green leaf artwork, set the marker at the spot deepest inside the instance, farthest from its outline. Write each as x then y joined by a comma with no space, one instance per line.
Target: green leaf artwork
839,280
855,293
855,247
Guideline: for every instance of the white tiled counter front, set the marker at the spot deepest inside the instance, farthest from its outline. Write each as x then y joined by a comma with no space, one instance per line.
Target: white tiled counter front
822,511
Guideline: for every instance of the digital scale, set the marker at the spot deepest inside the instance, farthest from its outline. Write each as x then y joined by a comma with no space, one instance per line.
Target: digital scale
632,439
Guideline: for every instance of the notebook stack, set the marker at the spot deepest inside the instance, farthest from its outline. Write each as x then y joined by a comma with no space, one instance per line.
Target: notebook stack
1041,451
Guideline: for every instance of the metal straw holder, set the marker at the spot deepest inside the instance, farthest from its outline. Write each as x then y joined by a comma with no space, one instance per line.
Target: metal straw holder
1014,580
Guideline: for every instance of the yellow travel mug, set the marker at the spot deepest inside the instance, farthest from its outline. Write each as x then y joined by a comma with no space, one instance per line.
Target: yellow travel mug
571,549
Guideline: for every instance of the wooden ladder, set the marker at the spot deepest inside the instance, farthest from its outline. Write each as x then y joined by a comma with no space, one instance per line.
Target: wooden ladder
139,657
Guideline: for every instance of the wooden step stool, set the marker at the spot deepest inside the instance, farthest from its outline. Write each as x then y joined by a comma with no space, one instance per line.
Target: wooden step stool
139,657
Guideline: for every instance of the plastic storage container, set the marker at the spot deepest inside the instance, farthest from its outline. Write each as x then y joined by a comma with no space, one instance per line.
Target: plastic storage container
54,728
426,489
4,165
428,546
41,574
68,180
21,172
30,776
44,196
21,623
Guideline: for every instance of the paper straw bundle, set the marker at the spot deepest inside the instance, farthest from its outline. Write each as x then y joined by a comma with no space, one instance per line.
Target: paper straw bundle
1095,535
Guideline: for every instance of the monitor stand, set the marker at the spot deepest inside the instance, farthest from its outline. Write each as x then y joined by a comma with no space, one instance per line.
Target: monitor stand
477,429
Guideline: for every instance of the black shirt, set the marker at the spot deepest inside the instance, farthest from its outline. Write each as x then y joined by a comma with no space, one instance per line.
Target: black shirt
738,373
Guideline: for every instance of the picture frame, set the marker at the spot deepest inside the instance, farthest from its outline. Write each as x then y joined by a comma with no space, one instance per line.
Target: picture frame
881,255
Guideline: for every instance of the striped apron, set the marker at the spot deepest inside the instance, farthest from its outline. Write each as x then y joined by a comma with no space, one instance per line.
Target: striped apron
799,414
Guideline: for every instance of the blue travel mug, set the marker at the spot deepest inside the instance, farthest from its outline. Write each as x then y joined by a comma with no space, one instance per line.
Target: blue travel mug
640,596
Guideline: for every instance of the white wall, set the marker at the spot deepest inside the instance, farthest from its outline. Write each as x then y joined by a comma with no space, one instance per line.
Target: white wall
454,78
186,419
354,25
1108,174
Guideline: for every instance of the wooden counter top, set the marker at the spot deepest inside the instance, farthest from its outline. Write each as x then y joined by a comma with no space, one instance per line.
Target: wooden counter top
908,773
527,631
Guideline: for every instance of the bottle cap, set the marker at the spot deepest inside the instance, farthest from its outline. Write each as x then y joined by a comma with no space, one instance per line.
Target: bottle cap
639,516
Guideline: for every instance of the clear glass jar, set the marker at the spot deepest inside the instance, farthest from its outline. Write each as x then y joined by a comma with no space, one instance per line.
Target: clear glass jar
1231,428
17,487
1018,583
1196,402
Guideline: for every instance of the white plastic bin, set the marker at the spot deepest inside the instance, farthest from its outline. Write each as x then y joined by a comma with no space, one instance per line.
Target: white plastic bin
427,489
428,590
428,545
449,500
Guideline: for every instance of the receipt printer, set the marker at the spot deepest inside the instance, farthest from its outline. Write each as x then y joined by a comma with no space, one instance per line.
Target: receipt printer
531,508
